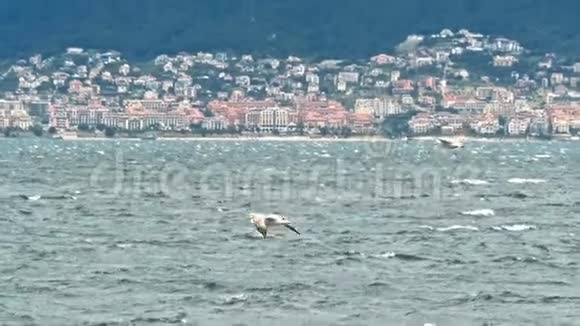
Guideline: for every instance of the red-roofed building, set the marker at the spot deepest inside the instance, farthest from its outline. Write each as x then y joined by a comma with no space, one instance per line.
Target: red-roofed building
428,83
271,119
194,114
58,117
453,122
235,111
487,124
404,86
464,105
361,123
383,59
422,124
564,118
314,114
518,126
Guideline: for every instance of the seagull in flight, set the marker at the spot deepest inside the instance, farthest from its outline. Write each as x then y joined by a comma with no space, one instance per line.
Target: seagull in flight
451,144
264,221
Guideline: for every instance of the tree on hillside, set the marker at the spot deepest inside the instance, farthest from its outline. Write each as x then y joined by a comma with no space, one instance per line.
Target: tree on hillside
110,132
346,132
232,130
300,128
37,130
84,127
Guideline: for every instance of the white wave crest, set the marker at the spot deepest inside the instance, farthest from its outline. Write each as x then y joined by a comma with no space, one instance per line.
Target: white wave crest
232,299
515,227
522,181
124,245
479,212
458,227
471,182
387,255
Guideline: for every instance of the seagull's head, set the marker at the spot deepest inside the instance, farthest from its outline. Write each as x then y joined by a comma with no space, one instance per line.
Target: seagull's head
282,220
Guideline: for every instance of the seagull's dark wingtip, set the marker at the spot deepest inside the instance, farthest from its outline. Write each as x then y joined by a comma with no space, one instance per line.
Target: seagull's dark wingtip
292,228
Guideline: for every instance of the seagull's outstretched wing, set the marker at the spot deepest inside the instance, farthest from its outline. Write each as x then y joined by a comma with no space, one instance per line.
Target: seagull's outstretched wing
450,144
270,220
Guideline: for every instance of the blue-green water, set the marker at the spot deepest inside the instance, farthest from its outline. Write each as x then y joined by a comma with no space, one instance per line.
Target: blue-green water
394,233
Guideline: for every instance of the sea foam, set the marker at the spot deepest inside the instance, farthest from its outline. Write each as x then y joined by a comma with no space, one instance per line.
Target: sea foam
480,212
471,182
522,181
515,227
458,227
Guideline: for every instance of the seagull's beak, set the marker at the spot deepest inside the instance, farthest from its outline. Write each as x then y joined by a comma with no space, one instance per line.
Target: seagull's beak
292,228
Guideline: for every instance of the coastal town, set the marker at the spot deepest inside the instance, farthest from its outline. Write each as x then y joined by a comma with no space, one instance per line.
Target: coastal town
449,83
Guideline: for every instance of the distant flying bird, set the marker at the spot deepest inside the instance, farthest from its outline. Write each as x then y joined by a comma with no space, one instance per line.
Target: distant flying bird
452,144
265,221
33,198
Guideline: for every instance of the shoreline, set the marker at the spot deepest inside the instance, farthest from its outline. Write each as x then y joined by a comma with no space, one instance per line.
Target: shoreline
338,140
270,138
306,139
235,139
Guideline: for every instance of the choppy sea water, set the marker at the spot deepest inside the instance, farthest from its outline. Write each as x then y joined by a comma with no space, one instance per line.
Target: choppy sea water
393,233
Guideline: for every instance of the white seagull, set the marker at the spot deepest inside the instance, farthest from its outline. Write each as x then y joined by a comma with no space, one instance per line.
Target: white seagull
452,144
264,221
